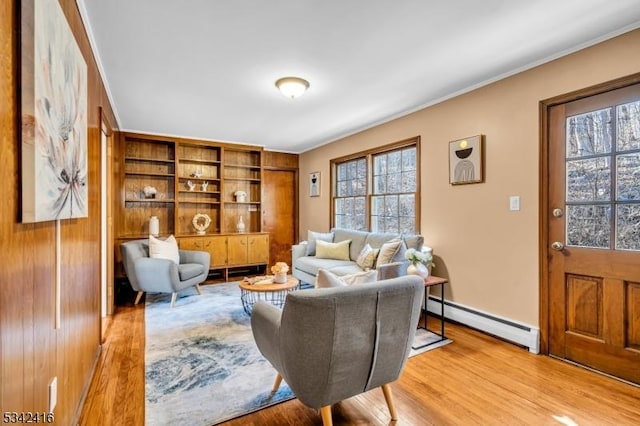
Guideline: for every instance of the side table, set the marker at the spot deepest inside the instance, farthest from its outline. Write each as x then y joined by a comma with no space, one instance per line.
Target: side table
432,281
272,293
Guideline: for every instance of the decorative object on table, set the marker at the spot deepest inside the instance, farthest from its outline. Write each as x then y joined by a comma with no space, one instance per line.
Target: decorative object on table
201,222
466,160
202,366
279,271
149,192
53,116
191,185
197,174
240,225
314,184
241,196
154,226
204,185
420,262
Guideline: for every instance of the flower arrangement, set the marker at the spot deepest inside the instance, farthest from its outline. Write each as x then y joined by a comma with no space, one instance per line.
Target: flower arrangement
415,256
279,268
149,191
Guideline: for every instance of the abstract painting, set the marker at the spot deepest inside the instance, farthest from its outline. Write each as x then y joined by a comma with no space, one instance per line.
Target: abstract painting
54,116
465,161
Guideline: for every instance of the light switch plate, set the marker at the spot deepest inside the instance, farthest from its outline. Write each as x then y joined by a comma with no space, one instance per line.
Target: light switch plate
514,203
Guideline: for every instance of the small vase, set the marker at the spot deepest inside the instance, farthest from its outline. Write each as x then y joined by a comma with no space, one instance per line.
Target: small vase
154,226
280,278
240,225
418,269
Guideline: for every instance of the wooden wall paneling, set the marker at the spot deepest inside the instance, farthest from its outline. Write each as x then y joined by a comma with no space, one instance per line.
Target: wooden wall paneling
32,351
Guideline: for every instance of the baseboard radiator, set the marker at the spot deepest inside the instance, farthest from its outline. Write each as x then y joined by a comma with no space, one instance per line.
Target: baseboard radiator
512,331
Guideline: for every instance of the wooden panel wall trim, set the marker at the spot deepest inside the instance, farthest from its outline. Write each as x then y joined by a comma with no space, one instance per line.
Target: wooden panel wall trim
32,351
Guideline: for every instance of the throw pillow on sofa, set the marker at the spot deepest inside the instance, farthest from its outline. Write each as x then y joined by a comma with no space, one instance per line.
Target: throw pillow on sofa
367,257
338,251
312,237
391,251
327,279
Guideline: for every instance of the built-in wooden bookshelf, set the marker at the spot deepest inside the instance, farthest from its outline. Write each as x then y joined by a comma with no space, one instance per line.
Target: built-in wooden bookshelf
193,177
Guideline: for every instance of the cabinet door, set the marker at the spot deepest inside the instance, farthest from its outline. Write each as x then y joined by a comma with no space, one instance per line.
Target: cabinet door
258,248
237,250
191,244
217,247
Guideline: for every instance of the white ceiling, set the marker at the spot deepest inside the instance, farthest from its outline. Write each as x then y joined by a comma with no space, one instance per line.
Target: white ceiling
206,68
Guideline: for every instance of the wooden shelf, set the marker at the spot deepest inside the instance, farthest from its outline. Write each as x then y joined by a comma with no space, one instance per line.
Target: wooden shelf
200,178
198,192
150,160
193,160
151,174
243,166
242,202
198,202
240,179
149,200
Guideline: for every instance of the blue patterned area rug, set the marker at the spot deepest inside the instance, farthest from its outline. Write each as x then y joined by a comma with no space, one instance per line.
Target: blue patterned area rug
202,366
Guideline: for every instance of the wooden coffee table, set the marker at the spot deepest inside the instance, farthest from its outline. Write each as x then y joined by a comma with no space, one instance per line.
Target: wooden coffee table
270,293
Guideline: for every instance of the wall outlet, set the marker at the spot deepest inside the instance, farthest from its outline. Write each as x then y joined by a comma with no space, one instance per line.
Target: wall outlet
53,394
514,203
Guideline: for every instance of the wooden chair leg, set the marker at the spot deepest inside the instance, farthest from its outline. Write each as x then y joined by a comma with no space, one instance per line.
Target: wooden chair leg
174,297
138,297
326,416
276,384
198,289
386,389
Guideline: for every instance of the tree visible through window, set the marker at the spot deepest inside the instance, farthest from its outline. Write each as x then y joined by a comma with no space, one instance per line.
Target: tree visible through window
378,190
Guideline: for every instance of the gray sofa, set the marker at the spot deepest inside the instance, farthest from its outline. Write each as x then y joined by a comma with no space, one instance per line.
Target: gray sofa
305,267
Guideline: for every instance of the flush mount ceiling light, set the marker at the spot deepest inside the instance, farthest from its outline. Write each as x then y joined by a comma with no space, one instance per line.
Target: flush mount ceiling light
292,87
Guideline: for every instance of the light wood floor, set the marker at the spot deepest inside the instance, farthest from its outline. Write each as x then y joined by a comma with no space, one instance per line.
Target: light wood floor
475,380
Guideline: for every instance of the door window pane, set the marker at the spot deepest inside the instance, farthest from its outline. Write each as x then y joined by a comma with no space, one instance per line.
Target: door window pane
589,134
589,226
628,177
589,180
628,227
628,128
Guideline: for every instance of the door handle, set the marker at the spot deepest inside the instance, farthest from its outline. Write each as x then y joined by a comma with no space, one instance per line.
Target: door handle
557,246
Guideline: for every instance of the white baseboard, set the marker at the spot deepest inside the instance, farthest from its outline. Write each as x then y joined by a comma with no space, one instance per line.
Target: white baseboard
513,331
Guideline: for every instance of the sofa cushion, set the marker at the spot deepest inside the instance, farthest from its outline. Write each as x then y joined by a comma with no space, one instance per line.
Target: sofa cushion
357,238
352,268
413,241
311,264
187,271
311,240
327,279
339,251
377,239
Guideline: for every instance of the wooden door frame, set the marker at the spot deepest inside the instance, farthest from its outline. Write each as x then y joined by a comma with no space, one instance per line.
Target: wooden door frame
106,127
544,206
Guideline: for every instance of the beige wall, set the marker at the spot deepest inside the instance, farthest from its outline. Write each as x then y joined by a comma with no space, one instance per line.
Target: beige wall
489,253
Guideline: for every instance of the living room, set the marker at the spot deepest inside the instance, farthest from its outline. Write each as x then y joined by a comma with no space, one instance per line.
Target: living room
494,257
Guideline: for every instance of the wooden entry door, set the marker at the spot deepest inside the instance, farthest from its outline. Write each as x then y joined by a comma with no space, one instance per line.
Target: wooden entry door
279,213
594,232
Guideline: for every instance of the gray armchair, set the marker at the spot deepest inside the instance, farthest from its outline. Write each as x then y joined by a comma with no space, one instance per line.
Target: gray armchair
333,343
148,274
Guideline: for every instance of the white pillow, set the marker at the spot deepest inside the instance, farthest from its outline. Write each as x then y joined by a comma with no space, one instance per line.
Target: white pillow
167,249
327,279
367,257
391,251
338,251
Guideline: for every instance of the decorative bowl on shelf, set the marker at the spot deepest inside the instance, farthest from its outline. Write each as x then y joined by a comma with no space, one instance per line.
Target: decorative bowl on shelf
241,196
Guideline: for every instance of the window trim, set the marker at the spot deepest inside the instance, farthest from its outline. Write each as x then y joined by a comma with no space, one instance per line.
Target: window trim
368,156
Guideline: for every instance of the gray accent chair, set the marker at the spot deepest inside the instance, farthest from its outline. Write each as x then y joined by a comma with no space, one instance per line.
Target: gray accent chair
152,275
330,344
